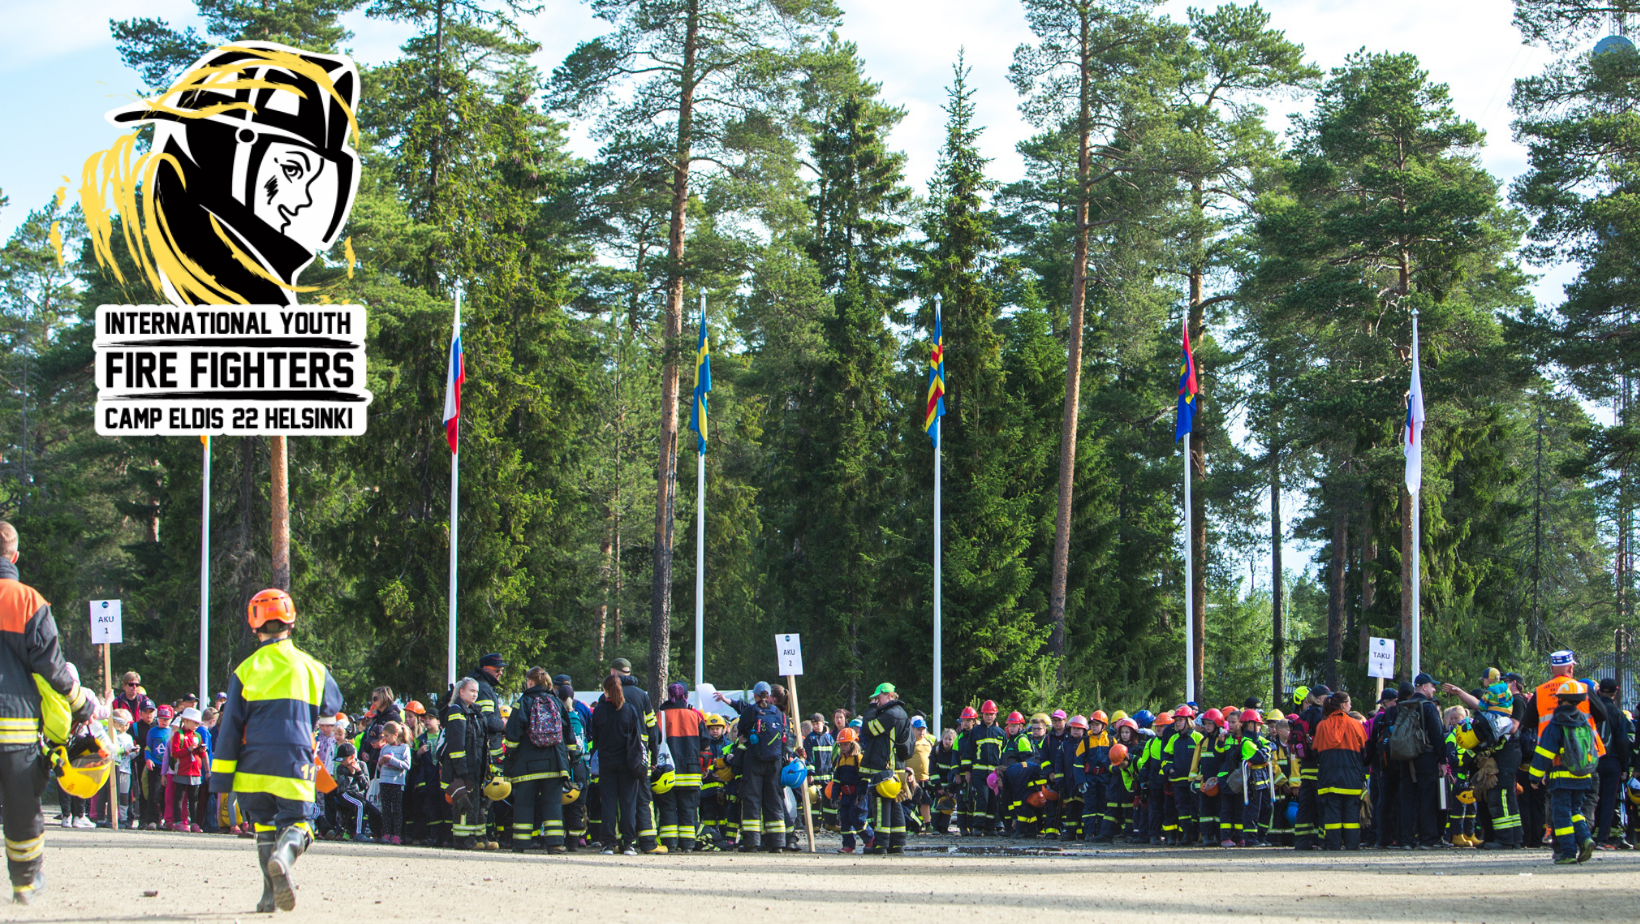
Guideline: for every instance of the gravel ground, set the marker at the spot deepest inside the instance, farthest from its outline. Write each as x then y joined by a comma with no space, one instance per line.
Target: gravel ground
138,876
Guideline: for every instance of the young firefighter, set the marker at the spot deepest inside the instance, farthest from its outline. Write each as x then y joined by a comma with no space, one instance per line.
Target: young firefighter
1460,764
264,749
1179,814
1053,822
537,737
1206,774
981,755
845,787
1566,754
1070,779
1156,785
819,744
1285,766
1252,753
1091,753
714,766
1119,784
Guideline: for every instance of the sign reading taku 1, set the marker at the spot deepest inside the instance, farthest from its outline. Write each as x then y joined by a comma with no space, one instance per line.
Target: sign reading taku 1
1381,658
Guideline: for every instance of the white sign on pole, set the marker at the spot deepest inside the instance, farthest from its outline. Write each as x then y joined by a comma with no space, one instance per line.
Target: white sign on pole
790,650
1381,658
105,622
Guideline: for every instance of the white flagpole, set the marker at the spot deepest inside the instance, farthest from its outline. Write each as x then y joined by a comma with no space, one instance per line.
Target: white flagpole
700,549
455,495
939,642
1417,497
205,578
1189,602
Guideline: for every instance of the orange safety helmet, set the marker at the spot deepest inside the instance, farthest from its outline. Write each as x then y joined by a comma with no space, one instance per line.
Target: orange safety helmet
1118,754
271,604
847,735
1163,719
969,713
1036,799
988,708
1014,718
415,708
1099,716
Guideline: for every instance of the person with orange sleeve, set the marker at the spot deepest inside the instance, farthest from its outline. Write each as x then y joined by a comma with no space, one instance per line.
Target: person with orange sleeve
1340,745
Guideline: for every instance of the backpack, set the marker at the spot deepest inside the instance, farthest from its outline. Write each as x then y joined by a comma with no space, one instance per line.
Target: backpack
769,733
1408,739
1577,754
546,722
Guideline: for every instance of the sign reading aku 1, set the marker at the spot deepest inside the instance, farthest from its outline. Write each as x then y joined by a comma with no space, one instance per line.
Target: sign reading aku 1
248,177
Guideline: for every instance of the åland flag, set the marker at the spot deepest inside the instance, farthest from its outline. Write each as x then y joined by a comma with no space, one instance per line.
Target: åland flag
936,382
452,392
1187,391
703,384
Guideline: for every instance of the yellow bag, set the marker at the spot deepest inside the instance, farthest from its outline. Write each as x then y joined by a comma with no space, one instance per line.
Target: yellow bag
56,715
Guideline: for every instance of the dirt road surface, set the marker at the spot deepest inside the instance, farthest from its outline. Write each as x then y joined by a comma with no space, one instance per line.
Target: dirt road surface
104,875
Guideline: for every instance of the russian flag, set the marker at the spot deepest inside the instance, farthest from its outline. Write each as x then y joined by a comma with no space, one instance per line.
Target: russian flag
452,393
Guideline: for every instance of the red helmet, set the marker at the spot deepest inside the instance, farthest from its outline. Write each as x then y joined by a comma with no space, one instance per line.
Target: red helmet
1251,716
969,713
1014,718
271,604
988,708
1211,715
1126,723
1184,712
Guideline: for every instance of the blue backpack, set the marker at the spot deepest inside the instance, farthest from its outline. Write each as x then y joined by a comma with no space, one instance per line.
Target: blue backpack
769,733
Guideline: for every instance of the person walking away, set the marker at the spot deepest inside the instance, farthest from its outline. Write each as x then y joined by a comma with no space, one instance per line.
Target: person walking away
265,749
393,765
463,764
30,654
763,727
537,763
884,748
1340,750
1415,747
617,736
1566,755
575,740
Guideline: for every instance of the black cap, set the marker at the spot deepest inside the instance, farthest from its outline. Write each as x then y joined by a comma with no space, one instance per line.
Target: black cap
188,696
1405,691
559,679
1389,695
1608,685
1320,690
1514,676
491,660
1422,679
1252,702
345,750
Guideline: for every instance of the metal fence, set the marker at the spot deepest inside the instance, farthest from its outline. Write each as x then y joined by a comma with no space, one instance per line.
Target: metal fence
1600,665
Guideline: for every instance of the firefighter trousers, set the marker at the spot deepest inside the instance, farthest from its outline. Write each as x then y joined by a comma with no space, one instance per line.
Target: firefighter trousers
538,811
887,824
762,806
22,782
679,811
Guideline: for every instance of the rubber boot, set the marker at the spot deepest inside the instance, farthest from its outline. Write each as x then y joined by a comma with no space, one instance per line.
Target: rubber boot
264,851
292,843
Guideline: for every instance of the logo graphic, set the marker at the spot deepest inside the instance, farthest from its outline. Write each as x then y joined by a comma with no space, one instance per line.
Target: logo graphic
249,173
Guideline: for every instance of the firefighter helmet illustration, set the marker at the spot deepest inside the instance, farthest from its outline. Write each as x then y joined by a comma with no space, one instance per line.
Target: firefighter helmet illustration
249,174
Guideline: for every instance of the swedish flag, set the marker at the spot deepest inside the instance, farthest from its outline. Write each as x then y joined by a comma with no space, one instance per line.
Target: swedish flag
703,384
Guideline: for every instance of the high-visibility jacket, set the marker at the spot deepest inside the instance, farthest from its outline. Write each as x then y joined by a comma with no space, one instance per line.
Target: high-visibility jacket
1340,748
684,725
29,649
264,739
1546,703
1177,754
1546,760
819,747
982,748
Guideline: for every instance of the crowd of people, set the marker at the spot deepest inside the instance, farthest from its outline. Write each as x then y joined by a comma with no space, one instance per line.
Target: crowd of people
1505,766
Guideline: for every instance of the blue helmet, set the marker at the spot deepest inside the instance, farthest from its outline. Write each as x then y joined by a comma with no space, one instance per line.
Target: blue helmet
794,774
761,688
1143,718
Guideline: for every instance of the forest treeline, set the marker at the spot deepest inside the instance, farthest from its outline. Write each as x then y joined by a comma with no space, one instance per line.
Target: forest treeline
743,162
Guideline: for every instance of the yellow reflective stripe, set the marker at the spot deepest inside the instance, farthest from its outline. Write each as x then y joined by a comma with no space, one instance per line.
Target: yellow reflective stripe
876,726
649,719
283,786
510,744
19,736
1546,752
1562,831
23,851
454,754
1535,771
223,766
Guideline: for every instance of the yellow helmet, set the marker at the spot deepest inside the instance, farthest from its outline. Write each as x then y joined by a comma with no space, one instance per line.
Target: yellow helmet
889,788
1466,738
1117,716
497,789
1274,715
715,720
663,782
1467,797
570,795
83,777
506,711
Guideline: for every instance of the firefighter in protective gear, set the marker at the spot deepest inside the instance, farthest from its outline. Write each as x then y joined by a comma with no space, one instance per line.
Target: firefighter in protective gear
1069,779
1093,760
538,773
1205,780
1151,780
1053,823
1340,746
679,807
981,755
714,767
1178,813
885,745
1568,725
463,764
1250,752
489,704
31,663
958,779
1121,781
762,808
819,744
1305,830
264,742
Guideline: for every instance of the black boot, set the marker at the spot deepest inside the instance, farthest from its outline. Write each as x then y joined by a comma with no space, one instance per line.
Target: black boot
292,843
264,851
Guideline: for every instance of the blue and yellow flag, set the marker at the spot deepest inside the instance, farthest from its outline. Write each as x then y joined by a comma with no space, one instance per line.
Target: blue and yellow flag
936,382
1187,391
703,384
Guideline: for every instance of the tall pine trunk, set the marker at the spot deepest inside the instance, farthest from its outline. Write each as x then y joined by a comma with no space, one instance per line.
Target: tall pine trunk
666,470
1335,599
1278,641
1073,371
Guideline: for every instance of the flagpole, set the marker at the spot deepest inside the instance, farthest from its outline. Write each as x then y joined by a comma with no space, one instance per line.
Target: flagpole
455,496
205,576
1189,603
700,547
939,644
1417,637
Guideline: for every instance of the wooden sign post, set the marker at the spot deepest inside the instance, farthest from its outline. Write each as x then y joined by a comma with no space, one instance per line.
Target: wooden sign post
790,650
106,630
